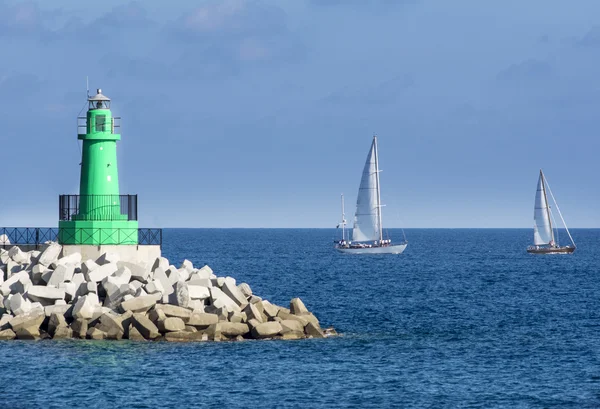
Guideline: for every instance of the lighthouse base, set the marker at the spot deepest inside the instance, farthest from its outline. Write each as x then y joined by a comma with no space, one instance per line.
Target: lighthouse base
131,253
98,233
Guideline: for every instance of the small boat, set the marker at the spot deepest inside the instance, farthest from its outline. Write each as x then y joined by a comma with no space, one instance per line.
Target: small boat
544,239
367,232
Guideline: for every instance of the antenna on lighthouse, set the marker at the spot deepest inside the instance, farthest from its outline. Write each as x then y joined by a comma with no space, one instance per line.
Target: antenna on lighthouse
87,87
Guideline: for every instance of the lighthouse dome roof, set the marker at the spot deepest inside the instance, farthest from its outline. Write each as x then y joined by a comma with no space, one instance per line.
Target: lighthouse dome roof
99,96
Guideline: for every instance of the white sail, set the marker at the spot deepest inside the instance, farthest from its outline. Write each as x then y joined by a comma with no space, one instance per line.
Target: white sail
366,226
542,231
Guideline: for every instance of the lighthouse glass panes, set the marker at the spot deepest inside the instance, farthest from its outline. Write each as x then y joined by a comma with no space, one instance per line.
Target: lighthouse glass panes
99,104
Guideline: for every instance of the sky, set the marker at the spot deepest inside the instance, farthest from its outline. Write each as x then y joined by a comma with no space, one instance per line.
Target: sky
255,113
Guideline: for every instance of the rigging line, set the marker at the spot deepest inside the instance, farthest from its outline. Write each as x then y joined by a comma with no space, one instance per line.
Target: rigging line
559,213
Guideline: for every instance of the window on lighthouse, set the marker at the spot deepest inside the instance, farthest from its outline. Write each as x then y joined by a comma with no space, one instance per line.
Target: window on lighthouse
100,123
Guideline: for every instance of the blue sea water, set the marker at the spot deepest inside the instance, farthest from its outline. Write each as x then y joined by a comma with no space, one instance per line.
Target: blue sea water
464,318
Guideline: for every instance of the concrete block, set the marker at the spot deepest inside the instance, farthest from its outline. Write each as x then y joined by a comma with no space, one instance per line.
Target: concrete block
101,272
7,334
95,333
14,283
182,294
174,311
234,293
198,292
245,289
253,313
108,258
171,324
161,263
187,264
220,300
74,259
79,327
266,330
269,309
85,306
18,305
87,267
161,275
30,320
62,273
18,256
154,287
297,307
139,304
45,295
233,329
314,331
139,271
50,255
145,326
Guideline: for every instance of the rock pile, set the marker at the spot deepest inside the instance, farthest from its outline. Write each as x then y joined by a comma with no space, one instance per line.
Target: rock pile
44,295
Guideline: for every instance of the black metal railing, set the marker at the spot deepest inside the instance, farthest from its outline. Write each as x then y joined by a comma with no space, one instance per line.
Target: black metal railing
33,236
36,236
97,207
83,128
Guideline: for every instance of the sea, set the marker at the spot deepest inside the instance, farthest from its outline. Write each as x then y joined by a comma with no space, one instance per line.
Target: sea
464,318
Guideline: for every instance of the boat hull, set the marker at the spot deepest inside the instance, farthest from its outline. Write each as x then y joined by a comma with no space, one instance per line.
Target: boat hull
551,250
395,249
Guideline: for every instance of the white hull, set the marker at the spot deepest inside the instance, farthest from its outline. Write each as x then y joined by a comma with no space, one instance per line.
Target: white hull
395,249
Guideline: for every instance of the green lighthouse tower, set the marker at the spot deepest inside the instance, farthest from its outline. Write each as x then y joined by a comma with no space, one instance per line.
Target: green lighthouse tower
99,215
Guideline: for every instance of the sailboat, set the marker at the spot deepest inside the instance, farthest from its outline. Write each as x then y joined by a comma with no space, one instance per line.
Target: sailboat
544,239
367,232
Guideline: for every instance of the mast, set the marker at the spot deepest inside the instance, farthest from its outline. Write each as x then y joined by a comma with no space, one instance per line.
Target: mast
378,190
547,205
343,220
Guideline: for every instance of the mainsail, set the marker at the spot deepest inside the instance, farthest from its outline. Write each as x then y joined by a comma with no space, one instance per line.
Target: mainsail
367,224
542,231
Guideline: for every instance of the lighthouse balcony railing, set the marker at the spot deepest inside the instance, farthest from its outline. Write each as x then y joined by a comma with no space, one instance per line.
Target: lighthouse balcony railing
98,207
98,125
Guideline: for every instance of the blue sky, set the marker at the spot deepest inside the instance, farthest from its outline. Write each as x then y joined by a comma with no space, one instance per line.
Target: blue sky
260,113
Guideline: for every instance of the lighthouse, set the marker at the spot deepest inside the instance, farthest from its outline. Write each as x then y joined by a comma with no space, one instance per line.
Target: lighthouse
99,215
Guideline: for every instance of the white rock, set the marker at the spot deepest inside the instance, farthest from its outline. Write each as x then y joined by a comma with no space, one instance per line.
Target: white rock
61,274
50,255
196,305
160,275
88,266
123,275
184,274
73,259
182,294
78,278
139,271
174,276
4,240
98,274
187,264
18,256
108,258
19,305
44,294
15,283
245,289
204,272
220,300
234,293
161,263
204,282
198,292
154,286
86,306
